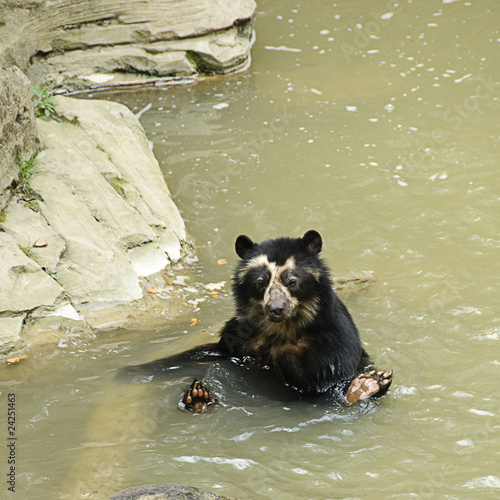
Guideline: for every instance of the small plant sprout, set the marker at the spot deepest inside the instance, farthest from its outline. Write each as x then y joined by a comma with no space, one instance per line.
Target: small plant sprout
26,170
44,102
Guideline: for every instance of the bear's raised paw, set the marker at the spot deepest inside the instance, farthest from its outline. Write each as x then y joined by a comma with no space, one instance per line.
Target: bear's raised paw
198,398
370,384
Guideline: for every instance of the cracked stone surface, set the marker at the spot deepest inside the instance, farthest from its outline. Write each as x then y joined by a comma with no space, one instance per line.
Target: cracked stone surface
98,219
99,216
24,285
17,125
92,43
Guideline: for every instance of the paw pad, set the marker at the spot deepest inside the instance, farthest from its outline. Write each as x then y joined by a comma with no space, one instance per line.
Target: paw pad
370,384
198,398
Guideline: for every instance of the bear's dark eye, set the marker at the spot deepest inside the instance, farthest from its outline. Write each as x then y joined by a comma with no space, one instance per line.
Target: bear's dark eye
261,283
292,283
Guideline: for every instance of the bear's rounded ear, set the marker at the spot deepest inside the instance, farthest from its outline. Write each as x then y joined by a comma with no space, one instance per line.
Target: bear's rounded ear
243,245
313,242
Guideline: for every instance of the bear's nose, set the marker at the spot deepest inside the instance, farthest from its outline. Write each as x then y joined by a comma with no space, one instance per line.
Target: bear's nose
277,308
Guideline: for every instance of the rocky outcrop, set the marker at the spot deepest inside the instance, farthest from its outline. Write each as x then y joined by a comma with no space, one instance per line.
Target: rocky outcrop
17,126
100,179
86,43
98,218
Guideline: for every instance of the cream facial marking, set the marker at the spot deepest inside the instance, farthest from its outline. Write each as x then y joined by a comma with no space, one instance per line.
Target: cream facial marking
262,260
259,261
278,302
276,272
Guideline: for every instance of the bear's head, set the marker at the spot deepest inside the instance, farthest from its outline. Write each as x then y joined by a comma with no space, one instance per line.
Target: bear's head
279,279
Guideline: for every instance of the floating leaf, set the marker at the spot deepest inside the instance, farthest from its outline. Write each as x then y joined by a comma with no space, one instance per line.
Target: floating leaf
215,286
194,321
16,359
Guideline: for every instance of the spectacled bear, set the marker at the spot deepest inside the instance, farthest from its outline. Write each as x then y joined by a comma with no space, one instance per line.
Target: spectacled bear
289,320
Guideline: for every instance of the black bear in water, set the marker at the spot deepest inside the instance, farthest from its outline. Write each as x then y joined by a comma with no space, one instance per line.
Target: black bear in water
289,320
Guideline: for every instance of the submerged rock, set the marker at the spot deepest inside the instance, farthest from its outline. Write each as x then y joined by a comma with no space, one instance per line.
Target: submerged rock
166,492
81,44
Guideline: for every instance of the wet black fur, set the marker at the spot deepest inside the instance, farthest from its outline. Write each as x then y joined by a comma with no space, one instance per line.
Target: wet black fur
322,356
332,355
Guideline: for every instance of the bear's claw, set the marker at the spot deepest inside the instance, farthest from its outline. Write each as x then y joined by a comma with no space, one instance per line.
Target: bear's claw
198,398
370,384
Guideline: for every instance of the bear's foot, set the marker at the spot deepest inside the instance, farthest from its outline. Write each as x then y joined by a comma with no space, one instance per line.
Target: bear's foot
370,384
198,398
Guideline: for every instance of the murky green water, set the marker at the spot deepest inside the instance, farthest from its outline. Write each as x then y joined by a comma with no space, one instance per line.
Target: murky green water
376,124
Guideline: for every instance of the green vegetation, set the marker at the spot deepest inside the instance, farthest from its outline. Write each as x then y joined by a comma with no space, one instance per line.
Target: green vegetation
51,272
44,103
192,57
116,184
28,251
32,204
26,170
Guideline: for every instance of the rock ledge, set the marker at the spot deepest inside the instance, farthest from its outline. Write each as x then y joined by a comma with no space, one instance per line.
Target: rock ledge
99,218
79,44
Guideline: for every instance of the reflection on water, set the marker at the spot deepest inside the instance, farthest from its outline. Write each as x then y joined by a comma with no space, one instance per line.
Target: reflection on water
375,124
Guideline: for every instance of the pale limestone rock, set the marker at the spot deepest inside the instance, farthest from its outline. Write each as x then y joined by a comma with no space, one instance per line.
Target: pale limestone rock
92,268
24,285
54,324
28,227
73,156
117,131
104,218
17,125
148,259
10,331
129,59
104,195
217,52
70,42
